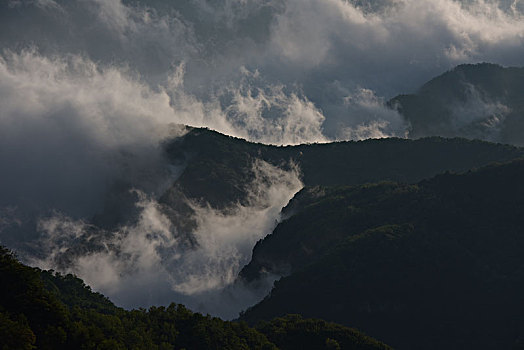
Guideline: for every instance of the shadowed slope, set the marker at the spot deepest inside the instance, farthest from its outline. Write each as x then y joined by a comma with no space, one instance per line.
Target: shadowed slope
433,265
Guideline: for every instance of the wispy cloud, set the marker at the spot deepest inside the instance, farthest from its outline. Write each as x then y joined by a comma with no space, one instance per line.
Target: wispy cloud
148,262
305,47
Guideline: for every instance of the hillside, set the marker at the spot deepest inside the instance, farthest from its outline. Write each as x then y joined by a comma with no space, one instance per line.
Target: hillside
432,265
218,166
217,170
52,311
261,174
482,101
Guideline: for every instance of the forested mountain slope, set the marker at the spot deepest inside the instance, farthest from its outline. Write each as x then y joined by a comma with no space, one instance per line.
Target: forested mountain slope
218,170
433,265
52,311
219,166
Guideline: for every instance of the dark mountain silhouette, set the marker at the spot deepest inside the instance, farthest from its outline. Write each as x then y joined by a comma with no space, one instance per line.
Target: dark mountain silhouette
218,171
218,167
431,265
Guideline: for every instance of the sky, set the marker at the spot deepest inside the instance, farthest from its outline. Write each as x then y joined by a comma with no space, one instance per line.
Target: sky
89,89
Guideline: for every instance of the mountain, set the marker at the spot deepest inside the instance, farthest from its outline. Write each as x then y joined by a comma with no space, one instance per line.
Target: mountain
432,265
218,171
482,101
53,311
217,167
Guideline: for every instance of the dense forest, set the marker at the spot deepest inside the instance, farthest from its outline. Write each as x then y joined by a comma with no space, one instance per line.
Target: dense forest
219,166
218,169
47,310
433,265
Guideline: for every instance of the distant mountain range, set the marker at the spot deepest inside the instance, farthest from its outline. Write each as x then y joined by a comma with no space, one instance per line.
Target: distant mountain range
484,101
416,263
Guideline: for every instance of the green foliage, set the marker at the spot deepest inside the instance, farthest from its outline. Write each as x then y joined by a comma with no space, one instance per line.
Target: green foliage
293,332
22,294
433,265
218,169
15,334
72,291
46,310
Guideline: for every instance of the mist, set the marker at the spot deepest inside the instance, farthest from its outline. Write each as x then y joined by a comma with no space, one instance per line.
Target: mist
148,262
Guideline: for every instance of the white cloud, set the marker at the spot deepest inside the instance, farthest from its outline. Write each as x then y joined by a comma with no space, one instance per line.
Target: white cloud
477,117
148,259
375,120
69,127
301,47
225,239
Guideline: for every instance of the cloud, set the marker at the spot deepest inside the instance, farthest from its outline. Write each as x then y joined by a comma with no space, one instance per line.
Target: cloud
478,117
147,263
302,47
375,120
407,35
70,128
225,240
332,47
